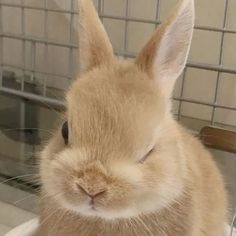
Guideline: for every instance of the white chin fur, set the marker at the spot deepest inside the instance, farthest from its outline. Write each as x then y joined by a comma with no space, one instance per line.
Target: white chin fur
86,211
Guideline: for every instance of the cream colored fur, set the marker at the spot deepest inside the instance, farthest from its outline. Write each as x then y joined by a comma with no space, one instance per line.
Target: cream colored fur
117,112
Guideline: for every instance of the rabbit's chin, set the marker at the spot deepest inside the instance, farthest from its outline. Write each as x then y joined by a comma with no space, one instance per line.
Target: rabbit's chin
99,212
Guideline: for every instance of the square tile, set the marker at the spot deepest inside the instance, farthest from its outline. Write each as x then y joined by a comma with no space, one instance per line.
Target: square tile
114,7
58,58
34,3
227,90
59,4
28,55
136,9
34,23
13,2
59,27
200,85
225,116
229,51
207,15
116,32
231,16
11,24
56,82
197,111
12,47
193,124
205,47
166,7
138,35
41,57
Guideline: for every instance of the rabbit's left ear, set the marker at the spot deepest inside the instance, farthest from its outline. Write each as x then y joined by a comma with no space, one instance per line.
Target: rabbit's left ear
95,48
164,57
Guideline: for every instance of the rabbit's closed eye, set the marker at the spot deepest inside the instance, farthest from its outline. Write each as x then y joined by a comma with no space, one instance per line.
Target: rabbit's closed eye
143,159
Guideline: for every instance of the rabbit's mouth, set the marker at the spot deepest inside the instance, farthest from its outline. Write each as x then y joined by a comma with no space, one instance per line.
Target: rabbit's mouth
107,214
101,211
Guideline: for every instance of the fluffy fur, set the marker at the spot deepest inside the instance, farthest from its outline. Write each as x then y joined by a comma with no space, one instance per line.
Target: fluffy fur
117,112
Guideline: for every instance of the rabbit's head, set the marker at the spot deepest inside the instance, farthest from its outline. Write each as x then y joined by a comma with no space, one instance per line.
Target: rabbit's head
118,154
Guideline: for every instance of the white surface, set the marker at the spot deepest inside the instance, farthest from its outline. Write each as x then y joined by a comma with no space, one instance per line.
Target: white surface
29,229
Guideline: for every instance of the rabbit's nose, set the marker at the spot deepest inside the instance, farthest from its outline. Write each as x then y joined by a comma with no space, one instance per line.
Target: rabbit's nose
93,192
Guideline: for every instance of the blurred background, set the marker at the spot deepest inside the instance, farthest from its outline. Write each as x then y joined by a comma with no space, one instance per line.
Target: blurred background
38,60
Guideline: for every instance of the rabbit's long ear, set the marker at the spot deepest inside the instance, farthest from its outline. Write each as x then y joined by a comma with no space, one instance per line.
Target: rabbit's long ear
94,45
164,57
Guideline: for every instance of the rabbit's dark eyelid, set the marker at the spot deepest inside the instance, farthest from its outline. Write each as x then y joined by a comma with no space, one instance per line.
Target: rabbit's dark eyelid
146,156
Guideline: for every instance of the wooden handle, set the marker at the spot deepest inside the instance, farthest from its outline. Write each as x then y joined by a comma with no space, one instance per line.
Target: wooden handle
219,138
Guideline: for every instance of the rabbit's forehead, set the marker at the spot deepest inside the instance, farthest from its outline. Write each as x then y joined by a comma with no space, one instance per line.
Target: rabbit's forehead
114,112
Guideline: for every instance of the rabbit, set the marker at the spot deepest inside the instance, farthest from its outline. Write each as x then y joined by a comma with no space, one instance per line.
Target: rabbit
120,164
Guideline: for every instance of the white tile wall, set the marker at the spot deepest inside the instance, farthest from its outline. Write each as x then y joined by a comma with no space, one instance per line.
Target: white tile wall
229,53
210,12
138,34
204,81
59,4
59,56
34,3
40,63
227,84
12,1
136,9
11,24
225,116
231,19
197,111
114,7
199,84
58,27
205,47
166,8
116,32
12,52
32,27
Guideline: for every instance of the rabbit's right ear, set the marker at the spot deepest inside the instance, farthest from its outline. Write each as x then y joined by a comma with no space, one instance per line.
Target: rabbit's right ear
95,48
164,56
